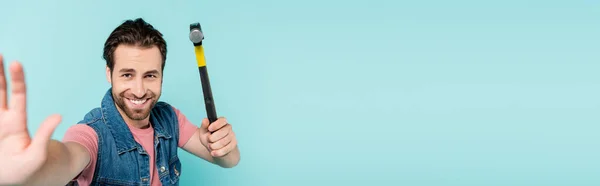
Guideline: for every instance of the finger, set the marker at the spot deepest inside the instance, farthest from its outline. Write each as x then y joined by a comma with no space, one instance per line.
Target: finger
39,143
18,97
220,134
225,150
222,143
2,85
217,124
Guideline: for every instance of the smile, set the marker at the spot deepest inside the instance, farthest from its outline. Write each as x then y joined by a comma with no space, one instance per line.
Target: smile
137,103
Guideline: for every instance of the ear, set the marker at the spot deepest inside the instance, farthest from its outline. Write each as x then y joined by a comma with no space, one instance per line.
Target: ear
108,75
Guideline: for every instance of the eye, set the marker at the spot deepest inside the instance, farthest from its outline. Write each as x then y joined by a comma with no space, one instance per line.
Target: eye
151,76
126,75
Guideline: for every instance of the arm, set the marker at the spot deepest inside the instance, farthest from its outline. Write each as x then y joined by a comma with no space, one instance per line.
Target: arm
64,162
36,160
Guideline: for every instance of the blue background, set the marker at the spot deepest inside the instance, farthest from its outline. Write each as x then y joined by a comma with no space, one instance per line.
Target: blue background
349,92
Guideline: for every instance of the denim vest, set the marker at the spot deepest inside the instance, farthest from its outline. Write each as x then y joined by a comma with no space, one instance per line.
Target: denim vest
123,161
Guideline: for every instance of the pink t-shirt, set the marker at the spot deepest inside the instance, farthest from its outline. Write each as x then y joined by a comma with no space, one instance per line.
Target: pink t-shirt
87,137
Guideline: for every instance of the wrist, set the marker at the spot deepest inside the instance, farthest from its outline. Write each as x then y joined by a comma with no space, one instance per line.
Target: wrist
229,160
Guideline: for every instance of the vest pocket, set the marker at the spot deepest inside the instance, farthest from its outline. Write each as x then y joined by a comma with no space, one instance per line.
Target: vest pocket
175,167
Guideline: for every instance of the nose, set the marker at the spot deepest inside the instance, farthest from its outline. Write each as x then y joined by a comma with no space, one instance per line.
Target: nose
139,90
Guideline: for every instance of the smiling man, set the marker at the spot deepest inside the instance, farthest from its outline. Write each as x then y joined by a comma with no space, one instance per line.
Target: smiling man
132,138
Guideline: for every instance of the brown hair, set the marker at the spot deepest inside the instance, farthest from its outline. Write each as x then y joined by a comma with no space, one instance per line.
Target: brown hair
134,32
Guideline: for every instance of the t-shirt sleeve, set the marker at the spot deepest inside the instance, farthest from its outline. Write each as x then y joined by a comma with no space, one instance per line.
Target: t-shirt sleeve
87,137
186,127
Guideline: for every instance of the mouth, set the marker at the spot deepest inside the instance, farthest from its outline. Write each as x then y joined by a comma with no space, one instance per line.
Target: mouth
137,103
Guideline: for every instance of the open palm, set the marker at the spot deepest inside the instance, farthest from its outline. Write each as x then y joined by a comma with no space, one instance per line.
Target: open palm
20,155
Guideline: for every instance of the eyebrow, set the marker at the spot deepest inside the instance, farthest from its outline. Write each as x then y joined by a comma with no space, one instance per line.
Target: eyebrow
123,70
130,70
152,72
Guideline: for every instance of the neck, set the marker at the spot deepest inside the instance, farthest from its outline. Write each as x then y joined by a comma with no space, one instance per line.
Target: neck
140,124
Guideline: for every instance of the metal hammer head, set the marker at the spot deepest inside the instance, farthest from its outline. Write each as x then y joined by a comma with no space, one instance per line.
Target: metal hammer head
196,35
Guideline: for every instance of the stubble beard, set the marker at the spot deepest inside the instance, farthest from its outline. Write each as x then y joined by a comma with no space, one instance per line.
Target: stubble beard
134,114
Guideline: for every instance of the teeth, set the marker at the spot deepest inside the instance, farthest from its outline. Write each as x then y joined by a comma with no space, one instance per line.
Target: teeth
138,101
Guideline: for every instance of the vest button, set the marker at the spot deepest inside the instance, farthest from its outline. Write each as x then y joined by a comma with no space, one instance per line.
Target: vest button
162,169
144,179
176,172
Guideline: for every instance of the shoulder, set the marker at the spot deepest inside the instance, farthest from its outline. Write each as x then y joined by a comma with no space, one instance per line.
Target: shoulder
173,111
164,107
161,104
164,113
79,129
92,117
82,134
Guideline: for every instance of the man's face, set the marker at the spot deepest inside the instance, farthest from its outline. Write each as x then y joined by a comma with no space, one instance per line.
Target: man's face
136,80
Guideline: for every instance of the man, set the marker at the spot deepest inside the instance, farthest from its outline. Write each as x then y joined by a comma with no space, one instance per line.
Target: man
130,139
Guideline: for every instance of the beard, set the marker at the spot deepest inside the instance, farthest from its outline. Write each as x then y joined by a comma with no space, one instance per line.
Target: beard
135,113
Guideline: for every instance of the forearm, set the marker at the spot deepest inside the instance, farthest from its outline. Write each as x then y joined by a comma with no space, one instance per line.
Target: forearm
59,167
229,160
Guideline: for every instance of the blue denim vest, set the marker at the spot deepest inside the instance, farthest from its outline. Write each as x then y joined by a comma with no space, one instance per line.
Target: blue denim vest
123,161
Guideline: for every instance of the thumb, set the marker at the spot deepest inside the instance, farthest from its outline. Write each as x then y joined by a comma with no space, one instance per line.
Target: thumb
204,125
44,133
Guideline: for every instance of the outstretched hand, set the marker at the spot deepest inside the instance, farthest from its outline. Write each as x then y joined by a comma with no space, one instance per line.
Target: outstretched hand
20,155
